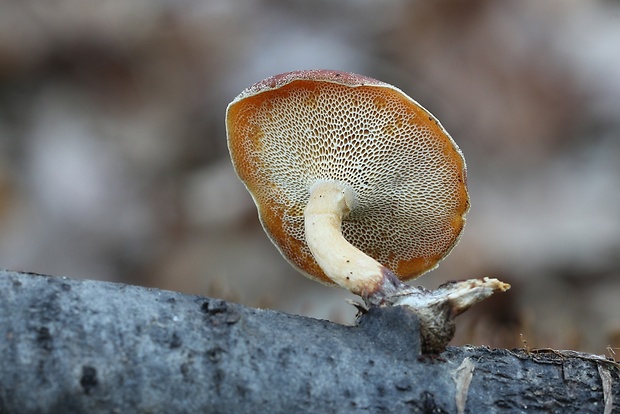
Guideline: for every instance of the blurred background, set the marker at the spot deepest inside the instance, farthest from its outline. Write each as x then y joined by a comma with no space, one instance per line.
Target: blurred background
114,165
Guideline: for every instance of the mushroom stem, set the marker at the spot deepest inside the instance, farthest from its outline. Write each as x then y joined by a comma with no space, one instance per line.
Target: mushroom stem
344,264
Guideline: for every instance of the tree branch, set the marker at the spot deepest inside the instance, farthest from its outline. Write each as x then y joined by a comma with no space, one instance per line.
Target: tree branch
85,346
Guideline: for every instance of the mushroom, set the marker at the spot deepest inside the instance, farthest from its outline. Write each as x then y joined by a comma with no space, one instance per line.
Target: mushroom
355,183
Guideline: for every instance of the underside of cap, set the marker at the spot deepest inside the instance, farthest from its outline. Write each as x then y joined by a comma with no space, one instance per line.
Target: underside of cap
291,130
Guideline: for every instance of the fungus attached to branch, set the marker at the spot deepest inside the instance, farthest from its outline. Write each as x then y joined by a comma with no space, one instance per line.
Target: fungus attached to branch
355,183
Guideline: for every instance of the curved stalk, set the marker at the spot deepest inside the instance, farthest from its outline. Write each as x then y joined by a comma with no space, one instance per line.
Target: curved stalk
343,263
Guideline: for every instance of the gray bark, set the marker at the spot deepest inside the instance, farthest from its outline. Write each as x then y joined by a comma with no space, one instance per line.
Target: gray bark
80,346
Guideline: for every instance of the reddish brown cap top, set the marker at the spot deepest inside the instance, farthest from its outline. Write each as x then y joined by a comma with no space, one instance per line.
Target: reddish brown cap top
290,130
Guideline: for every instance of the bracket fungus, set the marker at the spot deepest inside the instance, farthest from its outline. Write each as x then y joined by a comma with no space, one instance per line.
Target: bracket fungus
355,183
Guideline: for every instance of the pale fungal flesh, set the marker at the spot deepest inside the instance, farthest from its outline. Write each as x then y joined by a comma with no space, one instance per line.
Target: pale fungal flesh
356,183
344,264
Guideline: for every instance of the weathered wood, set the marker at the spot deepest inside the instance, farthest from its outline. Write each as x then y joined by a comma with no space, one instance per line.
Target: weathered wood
76,346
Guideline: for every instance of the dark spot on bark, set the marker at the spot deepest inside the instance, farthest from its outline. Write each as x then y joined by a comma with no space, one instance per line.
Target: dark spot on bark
232,317
285,355
213,306
89,379
219,312
403,385
429,405
215,354
44,338
176,341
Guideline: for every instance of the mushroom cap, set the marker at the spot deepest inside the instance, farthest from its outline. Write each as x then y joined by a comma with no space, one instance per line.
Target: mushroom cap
289,131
